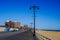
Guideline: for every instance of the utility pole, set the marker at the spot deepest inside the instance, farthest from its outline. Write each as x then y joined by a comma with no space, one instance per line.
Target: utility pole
34,8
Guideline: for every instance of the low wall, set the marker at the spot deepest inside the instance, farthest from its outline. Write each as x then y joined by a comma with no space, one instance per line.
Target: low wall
2,29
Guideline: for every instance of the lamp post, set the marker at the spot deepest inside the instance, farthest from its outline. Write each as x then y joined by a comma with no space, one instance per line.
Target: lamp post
34,8
31,25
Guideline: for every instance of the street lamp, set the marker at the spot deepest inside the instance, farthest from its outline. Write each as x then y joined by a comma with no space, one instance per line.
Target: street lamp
34,8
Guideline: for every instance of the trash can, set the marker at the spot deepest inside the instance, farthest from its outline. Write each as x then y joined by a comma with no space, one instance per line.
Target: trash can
7,29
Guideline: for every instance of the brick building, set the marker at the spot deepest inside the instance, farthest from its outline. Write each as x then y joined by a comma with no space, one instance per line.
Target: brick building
12,24
17,24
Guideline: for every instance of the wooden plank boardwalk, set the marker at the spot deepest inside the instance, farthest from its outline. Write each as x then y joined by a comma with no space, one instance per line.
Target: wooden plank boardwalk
26,35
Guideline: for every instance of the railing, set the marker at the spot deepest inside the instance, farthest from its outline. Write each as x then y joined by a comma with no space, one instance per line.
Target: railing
41,37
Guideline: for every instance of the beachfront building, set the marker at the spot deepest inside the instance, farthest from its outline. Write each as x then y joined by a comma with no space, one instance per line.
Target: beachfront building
12,24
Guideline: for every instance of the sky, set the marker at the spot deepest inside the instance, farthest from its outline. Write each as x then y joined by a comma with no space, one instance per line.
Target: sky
47,17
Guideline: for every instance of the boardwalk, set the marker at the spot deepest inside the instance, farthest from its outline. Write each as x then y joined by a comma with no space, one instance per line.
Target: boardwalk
25,35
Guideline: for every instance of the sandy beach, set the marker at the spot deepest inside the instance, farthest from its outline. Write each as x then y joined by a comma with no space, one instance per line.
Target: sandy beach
53,35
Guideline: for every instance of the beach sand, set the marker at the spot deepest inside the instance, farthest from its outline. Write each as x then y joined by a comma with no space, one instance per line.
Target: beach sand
53,35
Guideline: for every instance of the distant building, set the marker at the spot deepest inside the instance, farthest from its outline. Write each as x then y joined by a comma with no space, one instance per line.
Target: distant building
2,28
12,24
21,28
25,26
17,24
9,24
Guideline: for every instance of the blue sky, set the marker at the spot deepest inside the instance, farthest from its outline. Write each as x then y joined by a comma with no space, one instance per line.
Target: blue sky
48,17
